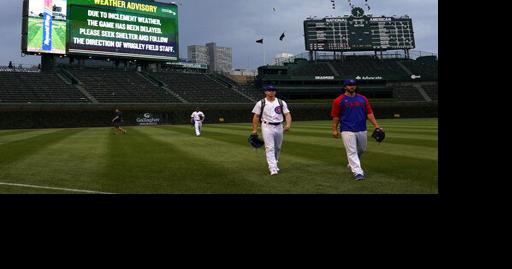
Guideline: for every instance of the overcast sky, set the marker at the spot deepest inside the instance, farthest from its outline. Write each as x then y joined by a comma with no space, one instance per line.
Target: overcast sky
239,23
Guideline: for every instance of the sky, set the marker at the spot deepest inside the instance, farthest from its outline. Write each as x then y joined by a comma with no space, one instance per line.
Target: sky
238,24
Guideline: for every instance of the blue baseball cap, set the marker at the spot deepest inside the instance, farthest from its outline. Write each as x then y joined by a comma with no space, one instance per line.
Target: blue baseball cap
349,82
270,87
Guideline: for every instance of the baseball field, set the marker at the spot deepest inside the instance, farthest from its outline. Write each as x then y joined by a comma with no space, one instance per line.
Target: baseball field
171,160
35,35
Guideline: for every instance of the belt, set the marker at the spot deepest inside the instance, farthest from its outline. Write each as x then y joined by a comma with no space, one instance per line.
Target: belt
272,123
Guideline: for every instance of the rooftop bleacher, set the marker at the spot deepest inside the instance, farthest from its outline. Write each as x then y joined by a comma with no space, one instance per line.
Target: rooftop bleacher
310,69
426,69
363,66
109,86
30,87
392,65
431,90
295,80
254,93
199,88
407,93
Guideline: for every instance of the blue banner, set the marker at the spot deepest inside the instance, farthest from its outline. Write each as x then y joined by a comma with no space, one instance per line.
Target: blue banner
47,31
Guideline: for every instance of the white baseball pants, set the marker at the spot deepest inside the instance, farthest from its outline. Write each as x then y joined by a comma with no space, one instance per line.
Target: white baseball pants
273,137
355,145
198,125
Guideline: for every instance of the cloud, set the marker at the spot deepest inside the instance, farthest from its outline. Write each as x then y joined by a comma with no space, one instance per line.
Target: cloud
238,24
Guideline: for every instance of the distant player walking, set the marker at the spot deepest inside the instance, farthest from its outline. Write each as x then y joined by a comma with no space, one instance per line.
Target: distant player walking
197,119
117,121
270,110
350,110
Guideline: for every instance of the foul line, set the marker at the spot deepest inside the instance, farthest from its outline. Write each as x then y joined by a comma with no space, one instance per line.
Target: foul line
52,188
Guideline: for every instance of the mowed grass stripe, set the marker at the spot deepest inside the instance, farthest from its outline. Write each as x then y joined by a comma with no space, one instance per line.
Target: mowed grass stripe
298,174
139,163
409,132
413,151
416,127
243,163
370,128
73,162
416,139
11,132
322,159
381,122
327,128
226,161
405,168
391,137
21,149
328,146
20,136
406,128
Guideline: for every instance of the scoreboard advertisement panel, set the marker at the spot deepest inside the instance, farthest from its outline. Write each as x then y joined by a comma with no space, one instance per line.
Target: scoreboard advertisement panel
123,28
351,33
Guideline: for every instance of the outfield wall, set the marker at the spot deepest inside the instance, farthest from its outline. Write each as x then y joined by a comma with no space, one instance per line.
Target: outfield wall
35,116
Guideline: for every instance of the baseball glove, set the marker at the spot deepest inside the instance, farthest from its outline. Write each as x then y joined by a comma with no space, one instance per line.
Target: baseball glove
378,134
255,141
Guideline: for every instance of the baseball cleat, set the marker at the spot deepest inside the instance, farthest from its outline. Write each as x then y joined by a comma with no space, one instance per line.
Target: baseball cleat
273,172
359,177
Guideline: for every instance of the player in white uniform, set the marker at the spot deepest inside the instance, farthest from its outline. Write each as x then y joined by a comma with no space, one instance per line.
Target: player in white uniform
197,118
271,125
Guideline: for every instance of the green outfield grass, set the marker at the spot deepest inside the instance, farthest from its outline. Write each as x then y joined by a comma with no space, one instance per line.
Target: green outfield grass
170,159
35,34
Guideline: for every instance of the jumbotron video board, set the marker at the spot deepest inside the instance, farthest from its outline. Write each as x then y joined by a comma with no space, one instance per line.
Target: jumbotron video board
359,32
141,29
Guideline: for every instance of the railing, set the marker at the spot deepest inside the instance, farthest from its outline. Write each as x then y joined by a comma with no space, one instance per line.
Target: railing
19,68
413,54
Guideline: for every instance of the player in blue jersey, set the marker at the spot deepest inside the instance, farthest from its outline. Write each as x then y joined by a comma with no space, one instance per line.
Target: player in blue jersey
117,120
350,111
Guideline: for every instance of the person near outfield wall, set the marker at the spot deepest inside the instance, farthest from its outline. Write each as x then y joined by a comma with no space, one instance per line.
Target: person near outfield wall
117,121
197,119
